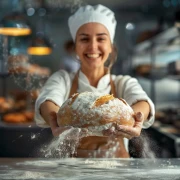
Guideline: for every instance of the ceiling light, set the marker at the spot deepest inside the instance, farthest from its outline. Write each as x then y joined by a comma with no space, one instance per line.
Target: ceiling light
39,46
130,26
14,25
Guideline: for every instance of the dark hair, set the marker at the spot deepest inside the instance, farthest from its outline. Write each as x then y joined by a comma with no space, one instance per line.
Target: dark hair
69,46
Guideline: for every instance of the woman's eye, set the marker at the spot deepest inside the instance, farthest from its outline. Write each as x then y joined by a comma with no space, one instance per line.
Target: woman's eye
101,39
84,39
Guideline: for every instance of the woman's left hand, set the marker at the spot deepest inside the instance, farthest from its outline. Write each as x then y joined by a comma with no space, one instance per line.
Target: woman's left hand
127,131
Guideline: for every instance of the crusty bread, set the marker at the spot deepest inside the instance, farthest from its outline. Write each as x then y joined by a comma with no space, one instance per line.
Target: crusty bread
95,112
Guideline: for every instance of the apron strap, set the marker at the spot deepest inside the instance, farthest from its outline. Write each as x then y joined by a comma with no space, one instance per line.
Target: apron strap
113,88
74,86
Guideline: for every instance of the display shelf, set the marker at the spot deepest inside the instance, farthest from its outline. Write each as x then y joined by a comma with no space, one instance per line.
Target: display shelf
163,38
174,77
154,55
161,58
154,74
163,48
159,74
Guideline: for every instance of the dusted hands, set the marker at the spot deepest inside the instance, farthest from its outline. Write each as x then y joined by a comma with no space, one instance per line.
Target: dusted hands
56,130
127,131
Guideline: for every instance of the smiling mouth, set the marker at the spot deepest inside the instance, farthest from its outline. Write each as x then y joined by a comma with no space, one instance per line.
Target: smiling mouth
93,55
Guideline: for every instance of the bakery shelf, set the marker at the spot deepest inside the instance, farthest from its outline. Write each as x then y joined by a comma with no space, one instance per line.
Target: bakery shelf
152,57
161,58
163,48
174,77
161,39
150,61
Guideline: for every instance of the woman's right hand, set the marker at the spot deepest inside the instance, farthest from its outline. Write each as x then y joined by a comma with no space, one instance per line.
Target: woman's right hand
56,130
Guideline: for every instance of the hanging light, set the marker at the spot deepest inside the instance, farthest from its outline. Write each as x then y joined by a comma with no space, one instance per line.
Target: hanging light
39,46
14,25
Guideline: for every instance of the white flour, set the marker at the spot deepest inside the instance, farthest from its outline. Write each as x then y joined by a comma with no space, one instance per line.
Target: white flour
64,145
102,164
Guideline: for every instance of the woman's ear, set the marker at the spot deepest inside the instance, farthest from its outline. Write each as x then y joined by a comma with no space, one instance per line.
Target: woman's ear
77,57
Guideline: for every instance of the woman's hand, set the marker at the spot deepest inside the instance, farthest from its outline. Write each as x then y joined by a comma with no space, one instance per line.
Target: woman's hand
126,131
56,130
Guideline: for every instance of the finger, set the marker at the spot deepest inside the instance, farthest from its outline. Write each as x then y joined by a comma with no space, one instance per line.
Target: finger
122,134
139,116
53,120
131,131
109,132
114,132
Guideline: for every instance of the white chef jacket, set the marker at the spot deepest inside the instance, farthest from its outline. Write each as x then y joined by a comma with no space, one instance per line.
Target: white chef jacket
57,89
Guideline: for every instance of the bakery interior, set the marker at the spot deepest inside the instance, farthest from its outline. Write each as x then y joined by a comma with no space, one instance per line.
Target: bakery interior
148,42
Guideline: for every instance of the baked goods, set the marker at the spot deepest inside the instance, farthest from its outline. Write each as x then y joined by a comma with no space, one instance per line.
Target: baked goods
14,117
6,104
19,117
95,112
19,64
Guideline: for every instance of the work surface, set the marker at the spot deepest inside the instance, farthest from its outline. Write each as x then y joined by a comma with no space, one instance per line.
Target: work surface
78,169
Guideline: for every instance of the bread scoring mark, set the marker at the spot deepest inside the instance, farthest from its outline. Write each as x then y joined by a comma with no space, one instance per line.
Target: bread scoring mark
103,100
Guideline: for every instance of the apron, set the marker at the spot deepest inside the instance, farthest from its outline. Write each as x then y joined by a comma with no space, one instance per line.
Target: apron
102,147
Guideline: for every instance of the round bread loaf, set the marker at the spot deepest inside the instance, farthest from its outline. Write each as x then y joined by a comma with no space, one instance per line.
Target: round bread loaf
95,111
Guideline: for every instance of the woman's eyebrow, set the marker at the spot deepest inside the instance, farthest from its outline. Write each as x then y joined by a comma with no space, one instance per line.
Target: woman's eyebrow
99,34
102,34
83,34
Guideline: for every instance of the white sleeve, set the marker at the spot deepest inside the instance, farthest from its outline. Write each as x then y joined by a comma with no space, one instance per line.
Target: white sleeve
55,89
132,92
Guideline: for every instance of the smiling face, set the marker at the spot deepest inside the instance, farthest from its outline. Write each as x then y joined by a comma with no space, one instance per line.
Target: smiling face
93,46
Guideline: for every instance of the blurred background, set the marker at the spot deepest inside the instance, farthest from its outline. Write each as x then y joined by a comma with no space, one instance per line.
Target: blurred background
148,43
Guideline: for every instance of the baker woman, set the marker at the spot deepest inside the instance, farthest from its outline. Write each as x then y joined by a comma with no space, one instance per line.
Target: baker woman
93,29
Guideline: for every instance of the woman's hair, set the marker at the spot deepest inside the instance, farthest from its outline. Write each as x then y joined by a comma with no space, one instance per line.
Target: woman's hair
69,46
112,58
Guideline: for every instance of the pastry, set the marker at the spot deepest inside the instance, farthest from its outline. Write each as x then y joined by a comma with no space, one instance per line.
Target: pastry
14,117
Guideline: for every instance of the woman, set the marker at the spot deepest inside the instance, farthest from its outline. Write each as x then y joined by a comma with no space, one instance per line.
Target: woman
92,29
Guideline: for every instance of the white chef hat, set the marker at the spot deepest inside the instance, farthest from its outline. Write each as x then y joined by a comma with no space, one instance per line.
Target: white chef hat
87,14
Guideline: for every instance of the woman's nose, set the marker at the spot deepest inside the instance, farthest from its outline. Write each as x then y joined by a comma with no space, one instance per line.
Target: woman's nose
93,44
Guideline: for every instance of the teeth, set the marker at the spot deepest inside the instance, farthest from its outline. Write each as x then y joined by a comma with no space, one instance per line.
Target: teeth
93,55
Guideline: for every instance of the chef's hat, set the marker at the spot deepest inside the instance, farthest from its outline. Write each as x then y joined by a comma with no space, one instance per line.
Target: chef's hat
87,14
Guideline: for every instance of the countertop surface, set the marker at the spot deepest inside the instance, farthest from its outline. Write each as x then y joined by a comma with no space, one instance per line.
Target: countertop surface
78,169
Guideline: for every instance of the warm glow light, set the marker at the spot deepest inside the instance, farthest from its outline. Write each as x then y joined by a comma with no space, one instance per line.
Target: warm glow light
39,50
177,24
12,31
